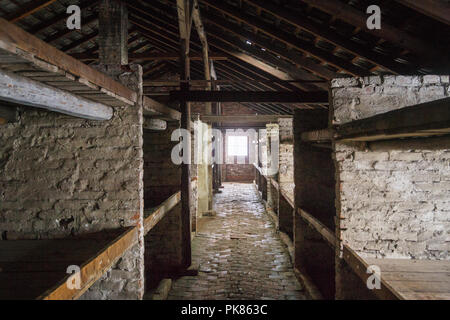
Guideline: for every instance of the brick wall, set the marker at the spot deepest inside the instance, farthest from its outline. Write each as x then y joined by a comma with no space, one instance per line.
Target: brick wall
162,177
392,196
286,173
62,177
233,172
239,169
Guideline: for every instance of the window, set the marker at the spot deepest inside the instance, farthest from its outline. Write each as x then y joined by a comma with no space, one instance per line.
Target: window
237,146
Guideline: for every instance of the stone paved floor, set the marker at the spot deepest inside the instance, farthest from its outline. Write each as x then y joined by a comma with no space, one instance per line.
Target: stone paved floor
239,253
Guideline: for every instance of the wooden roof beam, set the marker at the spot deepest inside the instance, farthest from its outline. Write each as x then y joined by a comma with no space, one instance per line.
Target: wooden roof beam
28,9
358,18
436,9
222,23
152,56
243,118
251,96
286,38
324,32
300,61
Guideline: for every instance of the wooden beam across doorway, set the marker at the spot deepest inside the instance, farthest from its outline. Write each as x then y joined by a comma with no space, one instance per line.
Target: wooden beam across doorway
263,118
251,96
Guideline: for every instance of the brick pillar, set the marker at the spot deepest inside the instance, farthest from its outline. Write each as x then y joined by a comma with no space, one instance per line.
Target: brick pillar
286,174
271,169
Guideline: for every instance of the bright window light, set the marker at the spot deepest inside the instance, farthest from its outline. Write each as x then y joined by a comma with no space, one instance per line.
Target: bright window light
237,146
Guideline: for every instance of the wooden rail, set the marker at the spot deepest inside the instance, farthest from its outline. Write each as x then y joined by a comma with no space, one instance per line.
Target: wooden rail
156,215
326,233
274,184
320,136
94,268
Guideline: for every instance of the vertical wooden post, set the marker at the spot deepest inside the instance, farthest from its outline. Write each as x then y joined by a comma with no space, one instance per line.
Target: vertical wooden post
184,25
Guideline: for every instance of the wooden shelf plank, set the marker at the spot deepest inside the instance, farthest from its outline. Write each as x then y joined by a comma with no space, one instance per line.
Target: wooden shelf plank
94,268
326,233
156,215
23,52
404,278
426,119
320,136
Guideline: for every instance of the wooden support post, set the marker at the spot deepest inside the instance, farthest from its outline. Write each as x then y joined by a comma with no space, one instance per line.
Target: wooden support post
113,33
184,25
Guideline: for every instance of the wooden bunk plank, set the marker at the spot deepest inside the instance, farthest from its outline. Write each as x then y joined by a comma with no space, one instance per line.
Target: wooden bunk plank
17,89
326,233
25,47
426,119
159,110
359,266
405,278
156,215
93,269
324,135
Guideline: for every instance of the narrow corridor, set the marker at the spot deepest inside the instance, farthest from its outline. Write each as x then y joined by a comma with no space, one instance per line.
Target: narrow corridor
239,253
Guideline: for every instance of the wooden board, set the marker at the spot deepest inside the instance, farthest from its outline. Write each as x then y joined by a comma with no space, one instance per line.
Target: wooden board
287,191
426,119
26,91
154,216
405,278
31,269
323,230
27,54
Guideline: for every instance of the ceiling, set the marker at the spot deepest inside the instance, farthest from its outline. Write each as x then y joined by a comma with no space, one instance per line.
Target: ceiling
271,45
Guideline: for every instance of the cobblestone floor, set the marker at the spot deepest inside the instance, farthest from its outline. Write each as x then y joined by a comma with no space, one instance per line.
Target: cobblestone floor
239,253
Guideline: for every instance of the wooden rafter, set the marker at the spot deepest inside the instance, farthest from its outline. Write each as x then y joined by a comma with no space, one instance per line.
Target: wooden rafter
436,9
171,42
30,8
300,61
152,56
218,43
251,96
388,32
288,39
304,23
